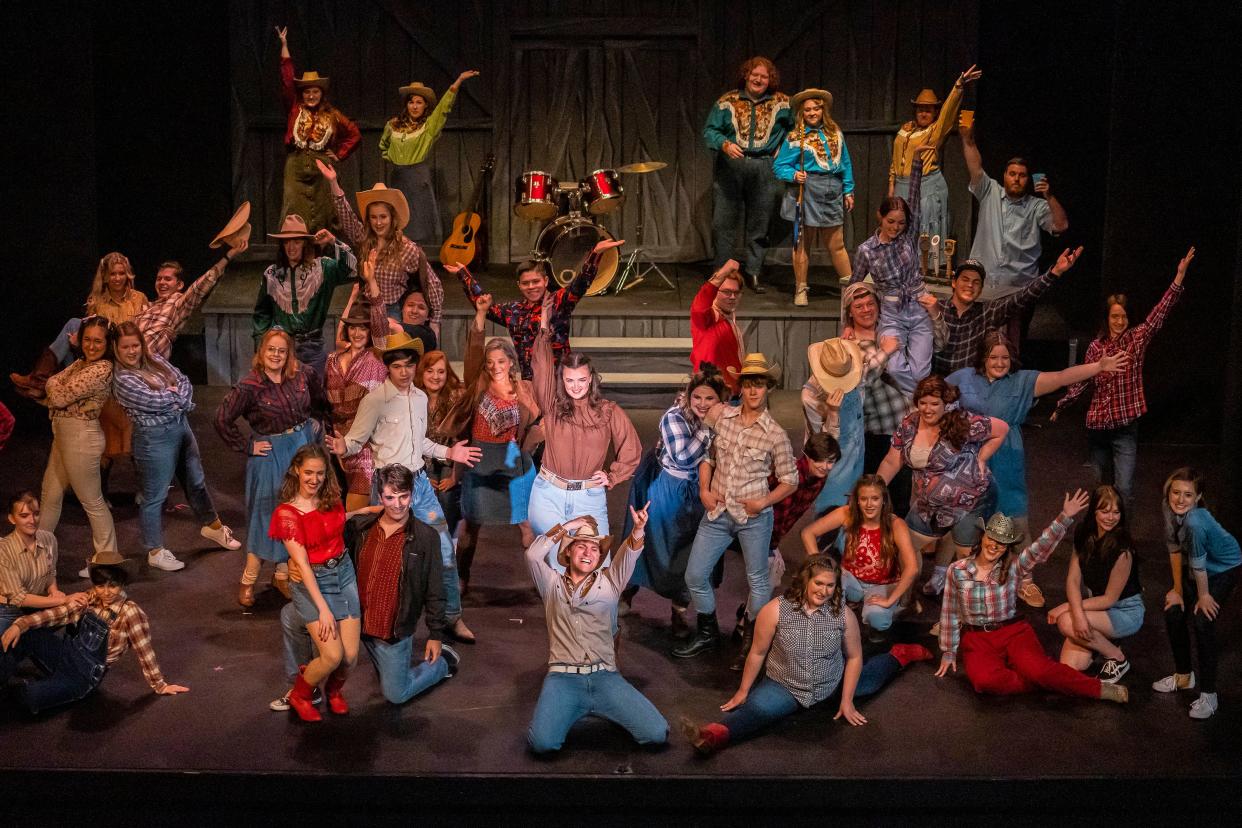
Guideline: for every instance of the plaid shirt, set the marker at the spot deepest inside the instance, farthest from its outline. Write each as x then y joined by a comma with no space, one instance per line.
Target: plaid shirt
894,266
744,456
684,441
163,318
270,407
147,406
7,422
884,405
1119,399
522,317
968,601
788,511
392,274
962,333
129,628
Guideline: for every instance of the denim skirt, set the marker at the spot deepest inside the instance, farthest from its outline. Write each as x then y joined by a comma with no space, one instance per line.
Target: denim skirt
1126,616
339,588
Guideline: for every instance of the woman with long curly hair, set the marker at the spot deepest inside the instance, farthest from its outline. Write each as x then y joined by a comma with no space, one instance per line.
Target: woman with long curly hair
496,412
810,643
878,559
579,427
310,523
1105,565
436,378
948,449
351,372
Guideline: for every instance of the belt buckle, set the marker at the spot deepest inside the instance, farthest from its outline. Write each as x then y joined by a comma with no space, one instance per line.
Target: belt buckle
333,563
575,486
991,627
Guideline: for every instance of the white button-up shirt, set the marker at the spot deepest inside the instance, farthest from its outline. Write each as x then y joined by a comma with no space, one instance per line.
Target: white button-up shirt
395,424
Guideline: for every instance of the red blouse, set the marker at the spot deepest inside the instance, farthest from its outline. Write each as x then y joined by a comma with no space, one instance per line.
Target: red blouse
866,565
322,534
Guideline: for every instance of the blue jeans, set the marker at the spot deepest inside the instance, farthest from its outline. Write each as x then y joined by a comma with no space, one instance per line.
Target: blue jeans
311,353
296,640
713,538
1112,454
566,698
909,322
160,452
769,702
878,618
744,191
77,664
400,680
60,346
425,506
550,505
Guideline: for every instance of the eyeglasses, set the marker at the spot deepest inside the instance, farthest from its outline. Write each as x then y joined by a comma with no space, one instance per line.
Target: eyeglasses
730,294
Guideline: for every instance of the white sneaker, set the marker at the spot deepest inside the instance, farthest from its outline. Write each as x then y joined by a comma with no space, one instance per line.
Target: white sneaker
282,704
1204,706
163,559
222,537
1169,683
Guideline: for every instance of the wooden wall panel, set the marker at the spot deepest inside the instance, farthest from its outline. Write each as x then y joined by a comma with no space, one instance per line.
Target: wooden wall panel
570,86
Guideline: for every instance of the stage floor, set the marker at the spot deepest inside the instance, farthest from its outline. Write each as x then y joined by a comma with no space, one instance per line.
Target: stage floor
920,727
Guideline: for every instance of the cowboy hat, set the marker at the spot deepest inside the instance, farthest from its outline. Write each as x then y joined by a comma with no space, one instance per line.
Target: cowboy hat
311,79
421,90
237,230
590,532
1000,528
402,342
836,363
293,227
359,314
795,103
926,98
391,196
110,559
756,365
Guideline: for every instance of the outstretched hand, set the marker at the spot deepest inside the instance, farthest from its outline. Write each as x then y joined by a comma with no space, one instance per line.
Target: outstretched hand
1119,361
946,664
639,516
605,244
1066,260
970,75
1075,503
465,76
453,267
282,32
1183,264
464,453
326,170
482,303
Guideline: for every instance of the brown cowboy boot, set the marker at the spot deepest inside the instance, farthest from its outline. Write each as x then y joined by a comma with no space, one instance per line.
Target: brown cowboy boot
32,386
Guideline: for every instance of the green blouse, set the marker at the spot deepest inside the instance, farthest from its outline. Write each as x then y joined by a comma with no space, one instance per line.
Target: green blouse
404,148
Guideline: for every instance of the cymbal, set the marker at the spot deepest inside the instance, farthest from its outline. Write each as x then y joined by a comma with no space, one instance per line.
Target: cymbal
642,167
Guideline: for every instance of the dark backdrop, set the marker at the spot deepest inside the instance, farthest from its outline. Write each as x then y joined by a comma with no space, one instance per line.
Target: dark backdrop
124,135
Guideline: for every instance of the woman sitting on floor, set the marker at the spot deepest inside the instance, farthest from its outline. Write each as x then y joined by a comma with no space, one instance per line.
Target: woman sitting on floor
813,649
1104,562
1000,652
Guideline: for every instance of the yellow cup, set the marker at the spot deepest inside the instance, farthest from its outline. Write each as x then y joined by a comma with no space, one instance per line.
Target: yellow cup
966,119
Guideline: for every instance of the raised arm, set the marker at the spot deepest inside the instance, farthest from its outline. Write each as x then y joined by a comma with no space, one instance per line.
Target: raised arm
543,368
974,162
474,340
1049,381
1156,318
952,105
287,91
1042,549
1095,352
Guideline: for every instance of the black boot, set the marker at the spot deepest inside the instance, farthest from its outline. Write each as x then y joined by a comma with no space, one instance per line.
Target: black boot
706,637
752,282
748,636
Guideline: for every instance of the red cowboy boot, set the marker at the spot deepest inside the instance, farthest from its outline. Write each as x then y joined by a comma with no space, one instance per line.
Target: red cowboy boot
336,702
300,699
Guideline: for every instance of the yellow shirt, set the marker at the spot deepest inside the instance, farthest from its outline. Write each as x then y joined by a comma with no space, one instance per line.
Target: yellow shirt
134,303
910,138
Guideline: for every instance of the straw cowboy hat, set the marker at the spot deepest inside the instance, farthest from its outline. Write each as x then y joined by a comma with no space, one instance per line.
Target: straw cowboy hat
795,103
590,532
360,314
836,363
402,342
1000,528
311,79
756,365
419,89
391,196
293,227
237,230
926,98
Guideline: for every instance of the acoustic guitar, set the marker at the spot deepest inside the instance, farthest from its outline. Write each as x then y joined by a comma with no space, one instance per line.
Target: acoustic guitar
461,246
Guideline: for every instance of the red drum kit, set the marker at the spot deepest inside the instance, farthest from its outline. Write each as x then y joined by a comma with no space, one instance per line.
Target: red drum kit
571,213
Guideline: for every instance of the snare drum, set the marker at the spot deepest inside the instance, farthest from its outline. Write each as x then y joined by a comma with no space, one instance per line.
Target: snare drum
535,196
602,192
565,243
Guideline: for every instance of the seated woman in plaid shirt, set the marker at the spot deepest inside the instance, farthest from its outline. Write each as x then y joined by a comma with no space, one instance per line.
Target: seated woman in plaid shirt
999,650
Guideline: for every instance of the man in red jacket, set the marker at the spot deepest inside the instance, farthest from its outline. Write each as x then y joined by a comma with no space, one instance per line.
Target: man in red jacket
713,324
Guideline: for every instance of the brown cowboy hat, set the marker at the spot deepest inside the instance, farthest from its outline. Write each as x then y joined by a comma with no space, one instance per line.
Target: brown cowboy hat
795,103
421,90
237,230
926,98
756,365
293,227
402,342
589,532
836,363
112,559
359,314
311,79
391,196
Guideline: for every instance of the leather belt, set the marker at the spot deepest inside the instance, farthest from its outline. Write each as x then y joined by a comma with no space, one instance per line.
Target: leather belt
991,626
331,563
577,669
568,485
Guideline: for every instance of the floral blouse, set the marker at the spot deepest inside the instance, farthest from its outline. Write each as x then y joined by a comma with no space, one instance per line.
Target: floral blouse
80,390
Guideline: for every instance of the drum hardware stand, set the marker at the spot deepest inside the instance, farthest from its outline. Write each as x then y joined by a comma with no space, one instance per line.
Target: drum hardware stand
637,265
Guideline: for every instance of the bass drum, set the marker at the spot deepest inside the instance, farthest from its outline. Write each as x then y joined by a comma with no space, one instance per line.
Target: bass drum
565,243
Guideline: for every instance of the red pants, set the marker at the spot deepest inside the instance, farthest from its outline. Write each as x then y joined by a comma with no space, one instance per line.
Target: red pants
1010,660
